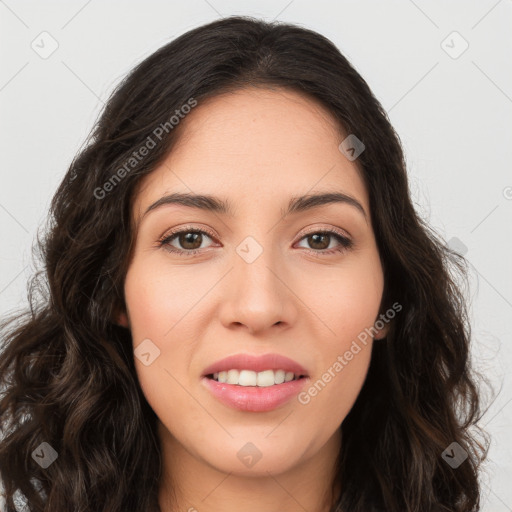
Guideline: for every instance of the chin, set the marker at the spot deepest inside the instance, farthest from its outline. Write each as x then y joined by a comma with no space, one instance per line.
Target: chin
252,458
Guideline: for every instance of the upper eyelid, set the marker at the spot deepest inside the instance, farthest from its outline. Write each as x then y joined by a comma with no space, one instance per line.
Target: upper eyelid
188,229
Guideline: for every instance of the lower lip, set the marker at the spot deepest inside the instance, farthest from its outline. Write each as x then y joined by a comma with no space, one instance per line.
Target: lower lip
254,398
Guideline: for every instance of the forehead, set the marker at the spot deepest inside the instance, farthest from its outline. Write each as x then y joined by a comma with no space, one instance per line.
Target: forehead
253,117
255,144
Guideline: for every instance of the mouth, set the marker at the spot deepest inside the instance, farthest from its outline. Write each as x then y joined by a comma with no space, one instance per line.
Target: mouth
254,367
255,383
247,378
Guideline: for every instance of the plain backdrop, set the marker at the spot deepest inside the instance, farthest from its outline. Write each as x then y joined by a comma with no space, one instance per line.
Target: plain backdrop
442,71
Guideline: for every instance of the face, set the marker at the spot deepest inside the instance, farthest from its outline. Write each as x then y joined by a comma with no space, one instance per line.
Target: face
288,291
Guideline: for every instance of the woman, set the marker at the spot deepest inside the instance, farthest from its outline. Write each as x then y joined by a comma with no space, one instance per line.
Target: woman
243,309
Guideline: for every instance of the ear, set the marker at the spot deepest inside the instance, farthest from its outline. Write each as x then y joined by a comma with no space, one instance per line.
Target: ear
383,331
121,318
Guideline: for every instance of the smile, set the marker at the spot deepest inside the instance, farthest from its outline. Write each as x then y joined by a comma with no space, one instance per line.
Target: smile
265,378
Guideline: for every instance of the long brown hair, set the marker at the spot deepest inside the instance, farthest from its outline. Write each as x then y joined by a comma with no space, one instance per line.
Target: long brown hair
67,369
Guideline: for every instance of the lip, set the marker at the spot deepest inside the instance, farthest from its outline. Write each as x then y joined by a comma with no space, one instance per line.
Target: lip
254,398
256,364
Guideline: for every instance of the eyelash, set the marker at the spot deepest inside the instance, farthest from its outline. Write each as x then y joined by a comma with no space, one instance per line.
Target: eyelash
345,243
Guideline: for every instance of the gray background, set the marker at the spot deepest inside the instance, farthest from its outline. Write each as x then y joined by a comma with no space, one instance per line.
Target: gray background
452,110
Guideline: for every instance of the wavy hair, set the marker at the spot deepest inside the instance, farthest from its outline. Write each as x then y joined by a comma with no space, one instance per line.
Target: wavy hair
67,369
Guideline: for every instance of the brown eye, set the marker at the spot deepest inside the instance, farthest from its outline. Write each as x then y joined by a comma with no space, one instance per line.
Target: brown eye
320,241
185,242
190,240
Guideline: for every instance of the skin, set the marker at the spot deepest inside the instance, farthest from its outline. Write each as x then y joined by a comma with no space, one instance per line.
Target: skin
255,148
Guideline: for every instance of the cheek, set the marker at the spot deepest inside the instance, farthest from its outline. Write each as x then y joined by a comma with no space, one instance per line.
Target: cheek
155,310
348,309
158,302
347,298
343,365
331,395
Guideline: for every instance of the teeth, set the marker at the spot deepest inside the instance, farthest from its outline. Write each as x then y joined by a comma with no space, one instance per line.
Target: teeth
249,378
246,378
266,378
279,376
232,377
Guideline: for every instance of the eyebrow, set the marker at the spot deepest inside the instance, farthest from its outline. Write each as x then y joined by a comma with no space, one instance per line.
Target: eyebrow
296,204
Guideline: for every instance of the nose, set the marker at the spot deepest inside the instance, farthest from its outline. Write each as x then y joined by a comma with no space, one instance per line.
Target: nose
257,296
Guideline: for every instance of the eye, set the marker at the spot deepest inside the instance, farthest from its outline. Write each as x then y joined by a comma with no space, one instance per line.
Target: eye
319,241
189,241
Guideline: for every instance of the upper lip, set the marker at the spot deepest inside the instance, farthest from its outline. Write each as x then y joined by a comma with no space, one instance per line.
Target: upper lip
256,364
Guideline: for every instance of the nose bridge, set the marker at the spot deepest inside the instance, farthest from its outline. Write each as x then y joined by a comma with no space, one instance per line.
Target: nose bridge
255,265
